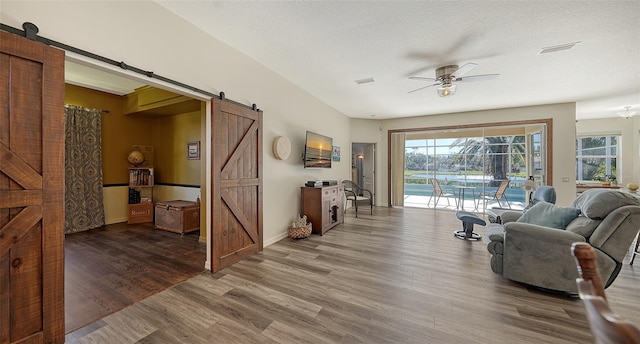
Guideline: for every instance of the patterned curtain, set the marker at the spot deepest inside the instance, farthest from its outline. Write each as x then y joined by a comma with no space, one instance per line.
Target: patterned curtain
83,169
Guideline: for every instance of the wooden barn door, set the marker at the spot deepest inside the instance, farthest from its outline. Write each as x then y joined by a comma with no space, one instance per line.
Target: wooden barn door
31,191
236,203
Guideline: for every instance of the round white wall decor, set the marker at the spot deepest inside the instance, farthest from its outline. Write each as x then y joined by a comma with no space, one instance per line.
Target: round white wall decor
281,147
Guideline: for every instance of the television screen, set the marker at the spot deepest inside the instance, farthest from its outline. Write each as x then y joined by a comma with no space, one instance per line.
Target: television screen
317,151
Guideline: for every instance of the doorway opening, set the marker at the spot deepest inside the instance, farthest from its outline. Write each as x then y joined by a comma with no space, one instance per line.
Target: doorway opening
363,166
111,267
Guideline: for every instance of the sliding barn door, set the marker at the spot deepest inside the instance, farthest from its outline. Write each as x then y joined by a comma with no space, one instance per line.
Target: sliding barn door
31,191
236,202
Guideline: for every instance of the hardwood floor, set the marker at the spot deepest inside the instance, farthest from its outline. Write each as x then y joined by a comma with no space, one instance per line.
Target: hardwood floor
110,268
398,276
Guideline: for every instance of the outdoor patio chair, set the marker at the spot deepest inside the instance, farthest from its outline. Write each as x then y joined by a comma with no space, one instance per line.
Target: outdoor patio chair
497,196
439,192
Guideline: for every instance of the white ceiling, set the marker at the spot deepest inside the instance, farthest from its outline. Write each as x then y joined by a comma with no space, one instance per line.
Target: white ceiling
324,46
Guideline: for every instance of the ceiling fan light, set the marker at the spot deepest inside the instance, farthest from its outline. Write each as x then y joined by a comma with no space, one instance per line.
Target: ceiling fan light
626,113
446,90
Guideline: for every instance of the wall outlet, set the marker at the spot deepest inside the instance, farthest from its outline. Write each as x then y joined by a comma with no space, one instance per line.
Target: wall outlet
565,179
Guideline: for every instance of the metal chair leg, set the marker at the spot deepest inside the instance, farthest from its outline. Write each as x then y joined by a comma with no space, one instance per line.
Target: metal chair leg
355,202
506,199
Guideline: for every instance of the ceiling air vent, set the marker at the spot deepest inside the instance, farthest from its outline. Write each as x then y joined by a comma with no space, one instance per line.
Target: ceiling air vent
364,81
560,47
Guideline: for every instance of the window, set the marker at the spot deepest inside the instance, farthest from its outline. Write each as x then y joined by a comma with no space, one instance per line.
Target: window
596,157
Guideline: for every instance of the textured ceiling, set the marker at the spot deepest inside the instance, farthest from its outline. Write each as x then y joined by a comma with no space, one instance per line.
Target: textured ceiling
324,46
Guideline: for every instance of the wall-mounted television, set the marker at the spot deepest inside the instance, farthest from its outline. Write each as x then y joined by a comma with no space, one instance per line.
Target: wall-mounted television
317,151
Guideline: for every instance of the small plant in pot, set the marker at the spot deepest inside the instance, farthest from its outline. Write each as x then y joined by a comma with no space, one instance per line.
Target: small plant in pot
605,180
299,227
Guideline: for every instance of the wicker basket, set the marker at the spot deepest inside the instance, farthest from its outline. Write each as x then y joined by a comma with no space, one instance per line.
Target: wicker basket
300,232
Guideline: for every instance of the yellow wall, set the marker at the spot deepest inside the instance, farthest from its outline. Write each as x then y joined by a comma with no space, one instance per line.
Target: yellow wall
167,134
119,132
170,137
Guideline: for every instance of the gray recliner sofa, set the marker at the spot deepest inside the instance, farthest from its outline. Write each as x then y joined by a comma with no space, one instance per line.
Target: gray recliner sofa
540,255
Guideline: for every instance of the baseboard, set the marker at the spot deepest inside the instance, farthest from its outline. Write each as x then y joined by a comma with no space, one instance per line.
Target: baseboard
112,221
274,240
202,239
207,265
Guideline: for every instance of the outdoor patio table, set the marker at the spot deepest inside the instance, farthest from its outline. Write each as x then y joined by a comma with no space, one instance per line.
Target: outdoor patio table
461,191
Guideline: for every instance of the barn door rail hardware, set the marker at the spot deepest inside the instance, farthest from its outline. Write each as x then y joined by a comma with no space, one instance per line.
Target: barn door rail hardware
31,32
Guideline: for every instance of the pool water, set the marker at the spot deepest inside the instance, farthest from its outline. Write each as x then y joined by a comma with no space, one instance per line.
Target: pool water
514,194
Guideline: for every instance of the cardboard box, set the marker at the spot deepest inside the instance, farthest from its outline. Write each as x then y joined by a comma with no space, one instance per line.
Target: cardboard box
178,216
140,213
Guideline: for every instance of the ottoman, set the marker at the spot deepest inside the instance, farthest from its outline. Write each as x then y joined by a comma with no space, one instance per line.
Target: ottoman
468,220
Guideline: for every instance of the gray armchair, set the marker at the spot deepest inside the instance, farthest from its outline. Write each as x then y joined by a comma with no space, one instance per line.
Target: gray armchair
539,255
543,193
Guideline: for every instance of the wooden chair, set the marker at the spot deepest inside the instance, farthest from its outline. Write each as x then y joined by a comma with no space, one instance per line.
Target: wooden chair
606,326
498,195
439,192
354,193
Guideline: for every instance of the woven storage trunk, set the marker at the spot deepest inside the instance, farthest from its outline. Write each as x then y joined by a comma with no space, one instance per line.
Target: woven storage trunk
178,216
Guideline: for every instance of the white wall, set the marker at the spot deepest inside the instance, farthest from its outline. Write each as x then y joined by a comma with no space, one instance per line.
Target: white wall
370,131
628,128
145,35
564,154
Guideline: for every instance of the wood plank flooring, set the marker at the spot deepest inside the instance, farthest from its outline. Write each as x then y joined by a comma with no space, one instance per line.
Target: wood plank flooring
115,266
398,276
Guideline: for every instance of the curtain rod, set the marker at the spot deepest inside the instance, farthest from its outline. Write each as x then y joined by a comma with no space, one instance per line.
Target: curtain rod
101,110
31,32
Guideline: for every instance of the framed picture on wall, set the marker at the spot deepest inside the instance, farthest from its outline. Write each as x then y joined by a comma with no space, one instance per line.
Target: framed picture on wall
193,150
335,156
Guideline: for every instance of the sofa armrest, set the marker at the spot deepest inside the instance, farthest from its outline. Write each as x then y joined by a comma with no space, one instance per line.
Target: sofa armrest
540,256
541,234
495,232
510,216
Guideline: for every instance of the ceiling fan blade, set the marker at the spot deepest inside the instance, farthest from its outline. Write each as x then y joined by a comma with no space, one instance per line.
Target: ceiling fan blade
421,78
464,69
482,77
423,87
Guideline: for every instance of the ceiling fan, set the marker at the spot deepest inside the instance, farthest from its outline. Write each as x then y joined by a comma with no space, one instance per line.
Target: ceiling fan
447,76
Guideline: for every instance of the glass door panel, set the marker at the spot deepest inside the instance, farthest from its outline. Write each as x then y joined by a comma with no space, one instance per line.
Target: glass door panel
416,186
470,163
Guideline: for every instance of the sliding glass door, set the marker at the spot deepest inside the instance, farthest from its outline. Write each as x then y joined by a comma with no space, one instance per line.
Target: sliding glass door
468,166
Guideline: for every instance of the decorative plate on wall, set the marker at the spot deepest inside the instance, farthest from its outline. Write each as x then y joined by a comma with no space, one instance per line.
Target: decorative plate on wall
281,147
